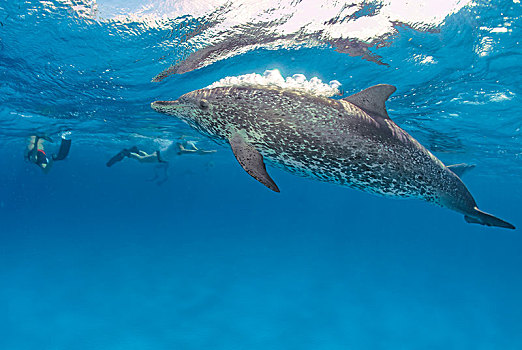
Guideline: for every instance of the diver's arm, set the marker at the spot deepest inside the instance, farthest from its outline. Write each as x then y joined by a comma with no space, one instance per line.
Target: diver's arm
203,151
193,144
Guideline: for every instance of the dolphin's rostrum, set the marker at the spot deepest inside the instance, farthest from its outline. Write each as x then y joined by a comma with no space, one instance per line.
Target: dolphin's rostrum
351,142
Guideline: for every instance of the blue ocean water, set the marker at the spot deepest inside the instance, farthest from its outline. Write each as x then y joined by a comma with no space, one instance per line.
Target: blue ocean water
93,257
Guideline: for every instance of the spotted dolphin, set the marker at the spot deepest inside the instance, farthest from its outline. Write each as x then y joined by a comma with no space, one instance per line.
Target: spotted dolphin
351,142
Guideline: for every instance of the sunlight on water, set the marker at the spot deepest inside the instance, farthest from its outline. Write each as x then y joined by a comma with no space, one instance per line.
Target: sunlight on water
225,29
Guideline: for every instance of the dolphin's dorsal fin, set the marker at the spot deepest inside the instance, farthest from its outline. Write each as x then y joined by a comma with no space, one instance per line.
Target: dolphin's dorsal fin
372,99
251,160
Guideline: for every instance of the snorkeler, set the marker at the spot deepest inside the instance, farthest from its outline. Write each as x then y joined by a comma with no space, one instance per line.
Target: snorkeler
135,153
35,152
161,170
175,148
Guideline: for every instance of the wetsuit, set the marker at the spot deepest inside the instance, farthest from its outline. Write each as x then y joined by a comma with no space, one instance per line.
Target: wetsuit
36,155
41,158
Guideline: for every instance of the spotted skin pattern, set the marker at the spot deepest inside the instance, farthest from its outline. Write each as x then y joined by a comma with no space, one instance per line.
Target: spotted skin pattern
329,140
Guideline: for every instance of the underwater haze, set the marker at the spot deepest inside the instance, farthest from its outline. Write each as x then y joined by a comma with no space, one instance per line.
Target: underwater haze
202,256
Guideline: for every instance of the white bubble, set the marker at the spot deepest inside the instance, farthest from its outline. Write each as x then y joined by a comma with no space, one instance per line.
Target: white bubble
273,77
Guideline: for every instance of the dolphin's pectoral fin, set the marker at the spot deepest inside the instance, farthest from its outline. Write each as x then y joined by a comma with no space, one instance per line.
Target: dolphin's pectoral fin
251,160
482,218
372,99
460,169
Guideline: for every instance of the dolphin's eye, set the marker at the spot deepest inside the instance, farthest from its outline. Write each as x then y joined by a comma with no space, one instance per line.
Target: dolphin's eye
203,103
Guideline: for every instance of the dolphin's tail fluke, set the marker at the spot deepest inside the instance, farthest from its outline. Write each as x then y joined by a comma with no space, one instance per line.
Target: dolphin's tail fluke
479,217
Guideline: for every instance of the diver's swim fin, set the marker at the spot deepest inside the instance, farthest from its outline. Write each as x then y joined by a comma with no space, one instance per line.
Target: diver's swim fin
65,146
117,158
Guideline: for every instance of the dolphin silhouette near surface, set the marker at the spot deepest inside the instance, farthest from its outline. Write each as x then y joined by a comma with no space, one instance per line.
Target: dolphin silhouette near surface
350,142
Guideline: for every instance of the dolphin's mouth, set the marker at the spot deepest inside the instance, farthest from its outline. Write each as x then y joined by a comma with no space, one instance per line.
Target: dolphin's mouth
162,105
